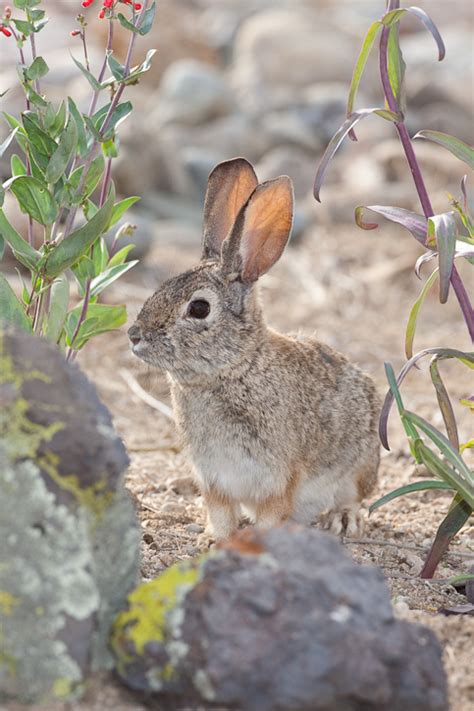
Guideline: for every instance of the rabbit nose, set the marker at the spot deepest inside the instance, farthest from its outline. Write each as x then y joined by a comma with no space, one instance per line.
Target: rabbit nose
134,334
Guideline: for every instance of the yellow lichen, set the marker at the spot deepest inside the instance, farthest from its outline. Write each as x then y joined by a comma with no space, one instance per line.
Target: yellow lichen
8,602
62,688
145,620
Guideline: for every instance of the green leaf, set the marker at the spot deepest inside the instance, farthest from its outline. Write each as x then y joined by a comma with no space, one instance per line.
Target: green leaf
109,149
100,257
339,136
394,16
38,69
63,154
59,301
457,147
360,65
2,247
17,166
11,310
81,131
120,256
90,77
101,318
442,230
446,448
24,27
35,98
147,21
22,251
67,252
94,174
35,199
83,270
411,432
7,141
104,280
141,68
444,404
396,66
408,489
457,516
119,114
115,67
121,207
128,25
415,310
55,122
37,137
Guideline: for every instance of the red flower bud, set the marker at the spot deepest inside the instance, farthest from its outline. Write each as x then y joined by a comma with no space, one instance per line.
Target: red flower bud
86,3
5,31
75,33
108,3
101,14
137,6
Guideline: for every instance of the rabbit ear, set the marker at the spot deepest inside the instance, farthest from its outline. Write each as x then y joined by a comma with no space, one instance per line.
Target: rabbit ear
229,187
261,230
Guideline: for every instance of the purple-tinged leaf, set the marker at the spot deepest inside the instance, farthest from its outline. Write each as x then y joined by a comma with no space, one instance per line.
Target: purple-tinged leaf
359,211
442,231
408,489
442,353
462,250
391,18
359,69
464,301
339,136
444,404
464,191
453,522
413,317
411,221
454,145
396,67
426,257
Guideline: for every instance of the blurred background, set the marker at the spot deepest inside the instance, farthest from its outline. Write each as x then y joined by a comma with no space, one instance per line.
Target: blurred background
269,81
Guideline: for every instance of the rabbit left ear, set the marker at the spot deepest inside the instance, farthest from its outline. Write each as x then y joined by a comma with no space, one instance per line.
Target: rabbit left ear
229,187
261,230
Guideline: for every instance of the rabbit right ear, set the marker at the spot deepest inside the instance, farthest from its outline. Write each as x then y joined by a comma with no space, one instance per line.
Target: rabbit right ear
229,186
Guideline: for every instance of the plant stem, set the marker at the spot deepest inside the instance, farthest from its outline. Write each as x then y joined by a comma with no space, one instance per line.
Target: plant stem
81,319
33,54
28,164
456,281
84,44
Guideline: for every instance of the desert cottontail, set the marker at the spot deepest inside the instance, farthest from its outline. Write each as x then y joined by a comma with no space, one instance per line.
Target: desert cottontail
284,428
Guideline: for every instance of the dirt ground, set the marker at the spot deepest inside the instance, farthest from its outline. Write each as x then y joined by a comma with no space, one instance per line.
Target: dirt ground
354,290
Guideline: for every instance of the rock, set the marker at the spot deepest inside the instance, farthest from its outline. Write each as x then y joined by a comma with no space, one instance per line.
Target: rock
282,620
191,93
289,161
67,526
194,528
276,48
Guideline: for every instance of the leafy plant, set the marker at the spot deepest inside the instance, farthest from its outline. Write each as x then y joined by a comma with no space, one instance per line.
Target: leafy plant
445,237
62,170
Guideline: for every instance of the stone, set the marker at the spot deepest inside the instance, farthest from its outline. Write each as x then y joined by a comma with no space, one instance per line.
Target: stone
192,92
69,536
281,619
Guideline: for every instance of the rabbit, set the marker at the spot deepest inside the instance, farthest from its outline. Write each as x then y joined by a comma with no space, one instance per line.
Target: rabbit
277,427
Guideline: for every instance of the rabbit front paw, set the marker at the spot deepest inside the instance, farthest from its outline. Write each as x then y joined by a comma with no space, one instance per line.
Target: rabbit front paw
348,521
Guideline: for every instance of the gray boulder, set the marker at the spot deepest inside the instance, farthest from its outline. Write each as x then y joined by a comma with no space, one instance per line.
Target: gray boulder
69,538
276,621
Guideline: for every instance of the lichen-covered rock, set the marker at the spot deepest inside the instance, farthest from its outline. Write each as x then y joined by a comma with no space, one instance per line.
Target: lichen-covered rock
69,551
276,621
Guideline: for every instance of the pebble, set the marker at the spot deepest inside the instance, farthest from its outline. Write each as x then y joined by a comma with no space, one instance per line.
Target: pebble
194,528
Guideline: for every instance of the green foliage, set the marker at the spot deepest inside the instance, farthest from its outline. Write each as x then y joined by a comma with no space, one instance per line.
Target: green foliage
444,237
61,179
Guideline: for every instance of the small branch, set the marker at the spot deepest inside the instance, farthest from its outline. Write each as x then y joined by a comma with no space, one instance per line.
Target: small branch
33,54
82,317
137,389
84,44
407,546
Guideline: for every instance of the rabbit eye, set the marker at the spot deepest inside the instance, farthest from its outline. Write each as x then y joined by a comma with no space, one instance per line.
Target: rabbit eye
199,308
